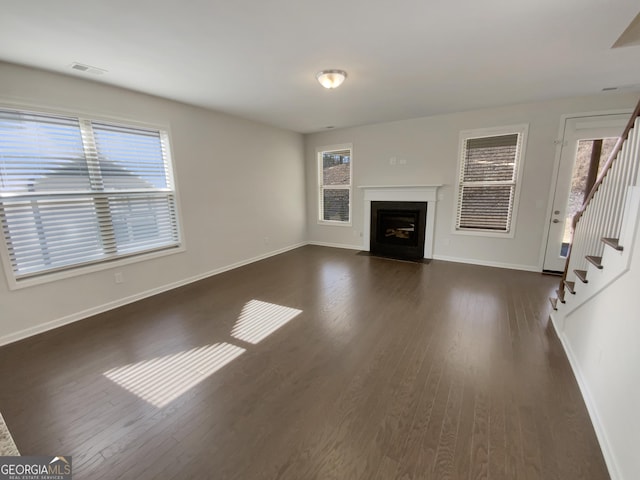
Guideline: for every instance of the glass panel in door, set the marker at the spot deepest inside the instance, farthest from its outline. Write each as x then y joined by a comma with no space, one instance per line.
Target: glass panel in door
591,156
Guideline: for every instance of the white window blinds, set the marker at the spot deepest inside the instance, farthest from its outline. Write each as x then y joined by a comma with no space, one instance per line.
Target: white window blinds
75,192
488,182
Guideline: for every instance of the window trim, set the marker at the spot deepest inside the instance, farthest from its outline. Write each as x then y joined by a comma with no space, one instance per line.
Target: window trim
522,130
108,264
321,187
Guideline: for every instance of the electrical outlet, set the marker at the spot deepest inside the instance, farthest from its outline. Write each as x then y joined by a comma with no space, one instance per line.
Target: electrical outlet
118,277
393,161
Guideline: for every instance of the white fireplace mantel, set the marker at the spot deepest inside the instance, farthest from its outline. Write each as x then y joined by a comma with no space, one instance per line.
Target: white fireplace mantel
401,193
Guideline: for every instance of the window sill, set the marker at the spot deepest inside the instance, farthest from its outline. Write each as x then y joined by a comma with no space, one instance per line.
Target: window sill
484,233
75,272
334,223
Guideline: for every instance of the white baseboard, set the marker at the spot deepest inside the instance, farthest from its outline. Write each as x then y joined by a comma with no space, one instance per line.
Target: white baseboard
485,263
28,332
74,317
471,261
336,245
557,320
591,407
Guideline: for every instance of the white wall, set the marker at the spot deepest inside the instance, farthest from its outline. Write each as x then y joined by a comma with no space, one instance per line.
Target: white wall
238,182
430,147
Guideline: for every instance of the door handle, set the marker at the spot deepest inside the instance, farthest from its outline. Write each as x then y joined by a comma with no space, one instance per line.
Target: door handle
555,220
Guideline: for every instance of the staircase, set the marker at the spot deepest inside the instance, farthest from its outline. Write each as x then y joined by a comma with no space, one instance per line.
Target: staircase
605,223
595,310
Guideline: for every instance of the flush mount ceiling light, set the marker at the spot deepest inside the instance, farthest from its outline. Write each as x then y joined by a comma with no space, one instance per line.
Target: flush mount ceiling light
331,78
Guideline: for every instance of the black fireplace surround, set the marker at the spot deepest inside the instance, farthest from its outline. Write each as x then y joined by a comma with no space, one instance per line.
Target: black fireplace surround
398,229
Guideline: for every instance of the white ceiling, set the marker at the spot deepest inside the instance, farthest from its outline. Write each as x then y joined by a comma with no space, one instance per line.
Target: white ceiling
258,58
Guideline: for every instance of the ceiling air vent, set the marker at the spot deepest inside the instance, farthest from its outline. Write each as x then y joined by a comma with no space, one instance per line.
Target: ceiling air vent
634,87
81,67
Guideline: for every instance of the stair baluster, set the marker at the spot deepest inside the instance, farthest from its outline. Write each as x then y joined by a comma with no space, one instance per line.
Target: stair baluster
600,219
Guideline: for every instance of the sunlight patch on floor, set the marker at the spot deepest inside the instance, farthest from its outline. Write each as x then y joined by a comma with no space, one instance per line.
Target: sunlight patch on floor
161,380
258,320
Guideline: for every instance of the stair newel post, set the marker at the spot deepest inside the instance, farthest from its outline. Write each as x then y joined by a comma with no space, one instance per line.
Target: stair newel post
574,222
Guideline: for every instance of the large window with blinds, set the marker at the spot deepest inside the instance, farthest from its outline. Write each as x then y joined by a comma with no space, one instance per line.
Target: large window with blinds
334,176
76,192
490,165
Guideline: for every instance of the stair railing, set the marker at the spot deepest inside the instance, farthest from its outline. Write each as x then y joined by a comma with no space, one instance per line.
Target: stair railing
601,213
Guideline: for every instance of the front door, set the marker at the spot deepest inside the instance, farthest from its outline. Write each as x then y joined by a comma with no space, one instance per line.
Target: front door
586,146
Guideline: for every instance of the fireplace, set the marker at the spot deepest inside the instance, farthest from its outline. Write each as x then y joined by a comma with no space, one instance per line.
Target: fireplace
427,195
398,229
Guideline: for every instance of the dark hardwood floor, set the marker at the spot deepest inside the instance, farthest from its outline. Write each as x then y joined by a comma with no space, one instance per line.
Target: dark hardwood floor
377,369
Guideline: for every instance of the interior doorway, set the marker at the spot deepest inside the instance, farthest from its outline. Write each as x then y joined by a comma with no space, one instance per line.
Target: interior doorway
586,146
